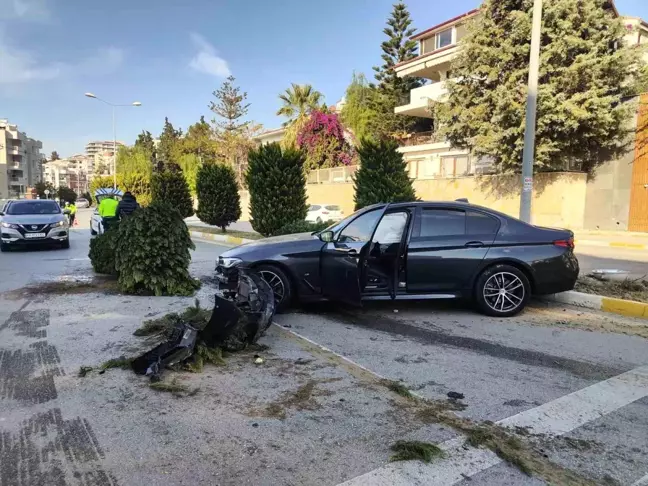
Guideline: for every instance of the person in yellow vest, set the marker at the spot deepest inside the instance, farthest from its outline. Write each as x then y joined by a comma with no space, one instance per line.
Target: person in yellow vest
108,210
71,207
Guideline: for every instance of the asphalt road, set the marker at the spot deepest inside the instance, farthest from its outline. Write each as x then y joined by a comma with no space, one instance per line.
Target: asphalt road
575,382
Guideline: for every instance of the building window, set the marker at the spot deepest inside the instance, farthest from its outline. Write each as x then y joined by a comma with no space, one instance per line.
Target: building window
455,166
443,38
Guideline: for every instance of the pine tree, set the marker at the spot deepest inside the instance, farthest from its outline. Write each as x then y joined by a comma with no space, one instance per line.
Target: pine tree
230,106
277,187
145,141
200,141
585,72
392,90
54,156
169,143
219,202
169,186
382,176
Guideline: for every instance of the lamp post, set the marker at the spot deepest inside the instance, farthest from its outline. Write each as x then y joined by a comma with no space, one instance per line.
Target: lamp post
113,105
530,124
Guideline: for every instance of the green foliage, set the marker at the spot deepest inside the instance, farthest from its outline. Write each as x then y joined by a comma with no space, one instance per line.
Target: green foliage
195,316
200,143
88,196
414,450
302,227
358,114
170,187
298,101
66,194
277,186
170,143
382,176
190,165
133,160
585,71
230,106
145,142
41,187
102,251
392,91
55,156
219,203
98,182
138,184
153,252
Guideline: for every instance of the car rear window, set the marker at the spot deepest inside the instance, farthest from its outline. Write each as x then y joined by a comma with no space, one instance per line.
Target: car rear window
315,208
332,208
481,224
442,222
33,207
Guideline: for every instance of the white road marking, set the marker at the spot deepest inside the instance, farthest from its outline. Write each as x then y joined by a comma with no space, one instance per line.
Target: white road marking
642,482
556,418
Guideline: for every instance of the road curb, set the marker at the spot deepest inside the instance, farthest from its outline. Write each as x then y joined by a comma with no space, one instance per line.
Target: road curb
232,240
612,244
622,307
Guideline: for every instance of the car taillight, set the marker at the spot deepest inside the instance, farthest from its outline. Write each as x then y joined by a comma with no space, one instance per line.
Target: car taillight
325,212
565,243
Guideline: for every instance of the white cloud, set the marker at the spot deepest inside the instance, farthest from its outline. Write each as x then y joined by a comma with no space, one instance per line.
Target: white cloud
206,59
27,10
21,66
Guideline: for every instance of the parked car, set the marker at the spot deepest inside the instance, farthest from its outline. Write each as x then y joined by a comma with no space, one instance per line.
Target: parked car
33,221
417,250
82,202
324,212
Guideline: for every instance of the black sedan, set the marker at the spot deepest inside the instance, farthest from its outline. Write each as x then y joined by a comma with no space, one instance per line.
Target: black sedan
418,250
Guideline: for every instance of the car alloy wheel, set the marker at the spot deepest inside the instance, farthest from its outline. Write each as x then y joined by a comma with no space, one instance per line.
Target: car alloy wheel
504,292
276,284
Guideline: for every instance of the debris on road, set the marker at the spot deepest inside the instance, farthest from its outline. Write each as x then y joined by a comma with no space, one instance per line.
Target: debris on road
456,395
415,451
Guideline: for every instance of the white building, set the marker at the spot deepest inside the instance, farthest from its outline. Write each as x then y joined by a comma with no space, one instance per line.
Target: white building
20,161
101,146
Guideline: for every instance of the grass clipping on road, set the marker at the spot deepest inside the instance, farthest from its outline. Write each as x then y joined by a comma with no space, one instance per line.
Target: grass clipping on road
509,444
628,289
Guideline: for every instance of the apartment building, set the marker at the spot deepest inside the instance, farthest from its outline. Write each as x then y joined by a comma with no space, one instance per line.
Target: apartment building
429,156
101,146
20,161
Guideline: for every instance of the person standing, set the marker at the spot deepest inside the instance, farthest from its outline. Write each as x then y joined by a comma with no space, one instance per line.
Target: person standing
73,209
127,205
108,211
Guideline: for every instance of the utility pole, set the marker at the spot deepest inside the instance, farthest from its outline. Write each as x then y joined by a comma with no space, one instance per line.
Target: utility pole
530,125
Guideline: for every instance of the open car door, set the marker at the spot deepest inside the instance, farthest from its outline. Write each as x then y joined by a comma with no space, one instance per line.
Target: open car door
343,261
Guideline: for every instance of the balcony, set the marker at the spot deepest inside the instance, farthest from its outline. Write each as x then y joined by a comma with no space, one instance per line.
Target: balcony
418,100
430,64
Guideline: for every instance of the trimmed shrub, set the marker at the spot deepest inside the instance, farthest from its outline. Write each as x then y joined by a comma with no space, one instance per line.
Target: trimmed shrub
219,203
102,251
277,187
382,176
302,227
170,187
153,252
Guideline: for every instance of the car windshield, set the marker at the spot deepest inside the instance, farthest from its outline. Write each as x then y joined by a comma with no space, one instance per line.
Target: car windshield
335,227
33,207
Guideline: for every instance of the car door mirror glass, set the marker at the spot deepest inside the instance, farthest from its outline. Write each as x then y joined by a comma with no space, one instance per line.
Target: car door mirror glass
326,236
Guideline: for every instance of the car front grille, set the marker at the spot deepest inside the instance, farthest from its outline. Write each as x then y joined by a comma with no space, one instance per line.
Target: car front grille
32,228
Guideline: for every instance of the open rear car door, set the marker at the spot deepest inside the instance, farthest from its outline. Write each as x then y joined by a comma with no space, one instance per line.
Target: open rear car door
343,261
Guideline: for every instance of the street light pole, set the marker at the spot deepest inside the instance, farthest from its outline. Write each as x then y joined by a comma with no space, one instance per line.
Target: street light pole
113,105
531,106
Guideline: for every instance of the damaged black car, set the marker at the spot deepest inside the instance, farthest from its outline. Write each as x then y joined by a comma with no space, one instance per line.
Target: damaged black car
417,250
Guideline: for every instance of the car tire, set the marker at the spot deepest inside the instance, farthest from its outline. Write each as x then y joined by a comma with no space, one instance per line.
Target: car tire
502,291
93,232
66,244
277,279
4,247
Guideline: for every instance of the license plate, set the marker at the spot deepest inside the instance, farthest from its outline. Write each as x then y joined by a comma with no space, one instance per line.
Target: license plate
35,235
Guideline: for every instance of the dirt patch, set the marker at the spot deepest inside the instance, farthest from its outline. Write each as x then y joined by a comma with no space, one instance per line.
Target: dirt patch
628,289
104,285
301,399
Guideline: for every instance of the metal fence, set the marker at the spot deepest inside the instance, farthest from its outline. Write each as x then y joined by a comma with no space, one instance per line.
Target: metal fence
335,175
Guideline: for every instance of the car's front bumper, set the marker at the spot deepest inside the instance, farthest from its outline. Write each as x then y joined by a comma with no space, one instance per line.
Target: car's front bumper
11,236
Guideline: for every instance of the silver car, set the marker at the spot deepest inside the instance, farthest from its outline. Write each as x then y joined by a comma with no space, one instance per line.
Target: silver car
33,222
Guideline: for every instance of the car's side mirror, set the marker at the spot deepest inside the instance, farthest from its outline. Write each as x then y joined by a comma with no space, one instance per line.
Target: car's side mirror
1,213
326,236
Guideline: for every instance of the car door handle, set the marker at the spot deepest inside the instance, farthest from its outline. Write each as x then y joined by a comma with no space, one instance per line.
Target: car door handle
348,251
474,244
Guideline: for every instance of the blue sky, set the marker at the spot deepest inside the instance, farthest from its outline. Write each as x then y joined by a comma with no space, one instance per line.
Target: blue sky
171,54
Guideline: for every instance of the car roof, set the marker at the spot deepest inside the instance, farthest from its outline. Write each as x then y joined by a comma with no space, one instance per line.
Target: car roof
458,204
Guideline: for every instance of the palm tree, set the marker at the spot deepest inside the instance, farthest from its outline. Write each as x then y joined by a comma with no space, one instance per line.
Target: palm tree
298,101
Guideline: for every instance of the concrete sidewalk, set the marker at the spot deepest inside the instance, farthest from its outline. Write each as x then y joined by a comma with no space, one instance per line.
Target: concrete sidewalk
238,226
613,239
